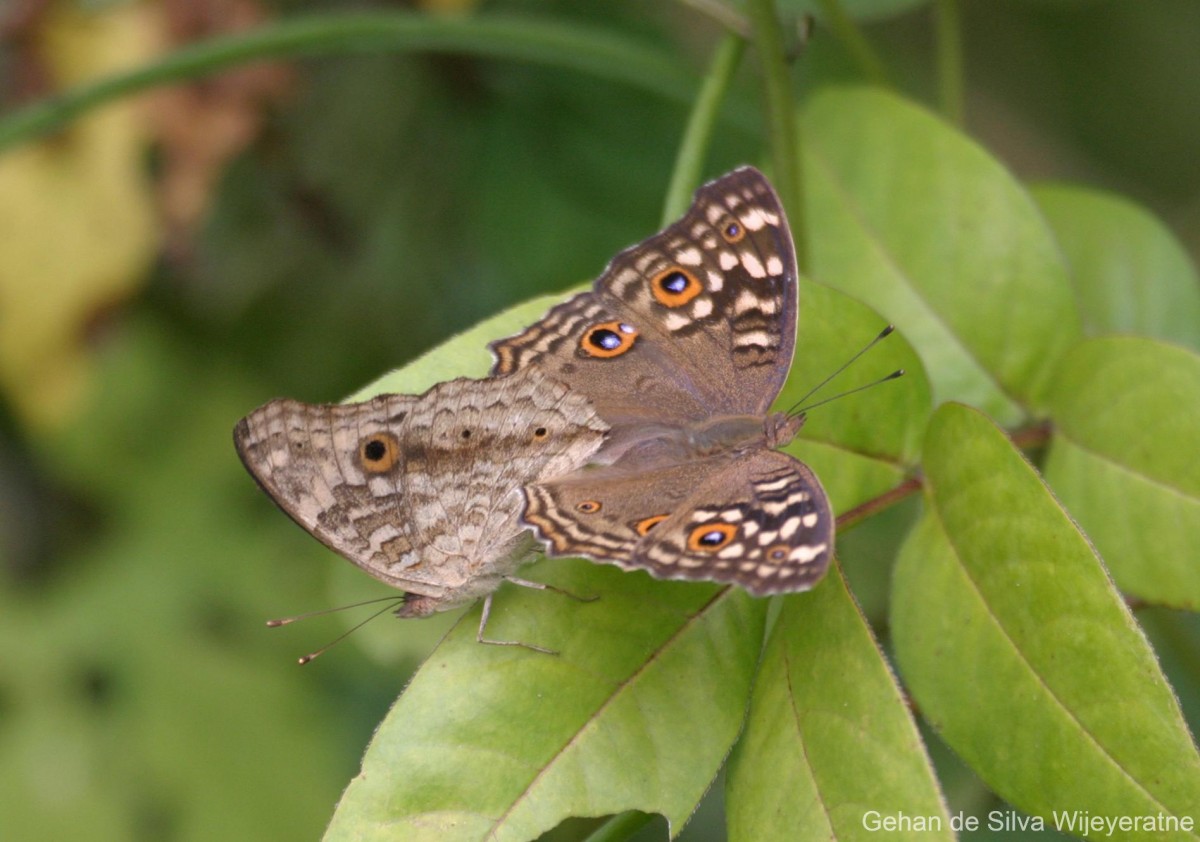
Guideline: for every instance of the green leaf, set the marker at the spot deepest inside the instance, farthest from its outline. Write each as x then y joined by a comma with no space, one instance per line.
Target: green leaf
919,222
829,743
1124,461
637,712
1019,651
1130,273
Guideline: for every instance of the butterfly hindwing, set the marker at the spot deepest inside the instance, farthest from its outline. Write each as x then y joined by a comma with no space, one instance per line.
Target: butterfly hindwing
762,522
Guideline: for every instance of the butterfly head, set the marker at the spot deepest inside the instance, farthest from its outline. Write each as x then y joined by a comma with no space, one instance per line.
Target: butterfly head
781,427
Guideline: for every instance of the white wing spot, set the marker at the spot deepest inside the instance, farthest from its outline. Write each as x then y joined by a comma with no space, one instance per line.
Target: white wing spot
775,485
789,528
691,257
753,337
753,219
676,321
753,265
745,302
805,553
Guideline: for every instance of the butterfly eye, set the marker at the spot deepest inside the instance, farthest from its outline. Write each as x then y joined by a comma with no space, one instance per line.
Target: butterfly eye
675,287
588,507
608,339
645,525
379,453
711,537
733,232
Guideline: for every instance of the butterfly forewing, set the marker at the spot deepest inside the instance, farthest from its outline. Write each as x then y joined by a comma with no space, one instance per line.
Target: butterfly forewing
422,492
701,316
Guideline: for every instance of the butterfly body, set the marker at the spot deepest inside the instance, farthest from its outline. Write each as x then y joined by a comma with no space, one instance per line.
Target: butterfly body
422,492
682,346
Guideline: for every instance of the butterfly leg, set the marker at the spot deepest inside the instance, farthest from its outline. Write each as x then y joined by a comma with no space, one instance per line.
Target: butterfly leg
479,638
542,586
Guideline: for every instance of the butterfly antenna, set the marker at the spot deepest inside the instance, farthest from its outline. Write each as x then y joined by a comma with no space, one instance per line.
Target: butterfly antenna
391,600
882,335
283,621
897,373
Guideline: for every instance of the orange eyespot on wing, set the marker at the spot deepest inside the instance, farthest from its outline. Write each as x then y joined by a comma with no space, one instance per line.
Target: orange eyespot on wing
588,507
608,339
733,231
675,287
379,453
646,524
710,537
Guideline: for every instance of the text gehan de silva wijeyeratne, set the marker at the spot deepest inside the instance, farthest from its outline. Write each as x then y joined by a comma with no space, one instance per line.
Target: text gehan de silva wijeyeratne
1077,822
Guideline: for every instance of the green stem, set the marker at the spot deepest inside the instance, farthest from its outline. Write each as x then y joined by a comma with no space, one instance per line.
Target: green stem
856,44
728,17
620,827
521,38
950,60
783,132
689,163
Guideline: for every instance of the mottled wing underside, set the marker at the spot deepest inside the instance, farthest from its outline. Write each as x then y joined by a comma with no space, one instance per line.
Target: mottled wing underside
422,492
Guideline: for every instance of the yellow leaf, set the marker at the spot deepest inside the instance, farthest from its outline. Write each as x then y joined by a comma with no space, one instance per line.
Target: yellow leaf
77,222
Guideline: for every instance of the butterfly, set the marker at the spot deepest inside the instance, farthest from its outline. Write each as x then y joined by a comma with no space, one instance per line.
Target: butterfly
681,346
423,492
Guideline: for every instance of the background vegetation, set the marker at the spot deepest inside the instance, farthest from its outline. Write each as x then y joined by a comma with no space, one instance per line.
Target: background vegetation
171,261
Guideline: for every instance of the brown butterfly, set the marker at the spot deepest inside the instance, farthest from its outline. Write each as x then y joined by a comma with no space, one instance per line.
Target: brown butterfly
423,492
681,346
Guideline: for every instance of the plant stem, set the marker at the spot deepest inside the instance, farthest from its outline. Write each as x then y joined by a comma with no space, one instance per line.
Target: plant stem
856,44
620,827
949,60
522,38
727,16
783,132
1035,435
848,520
689,163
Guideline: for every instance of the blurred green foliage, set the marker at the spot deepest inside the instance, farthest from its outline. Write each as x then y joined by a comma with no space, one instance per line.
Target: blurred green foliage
388,202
